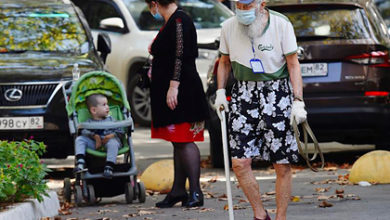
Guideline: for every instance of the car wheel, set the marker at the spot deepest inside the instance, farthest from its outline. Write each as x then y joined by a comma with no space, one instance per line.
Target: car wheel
139,100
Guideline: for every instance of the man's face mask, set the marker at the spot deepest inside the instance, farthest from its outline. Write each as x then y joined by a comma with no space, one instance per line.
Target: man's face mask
246,17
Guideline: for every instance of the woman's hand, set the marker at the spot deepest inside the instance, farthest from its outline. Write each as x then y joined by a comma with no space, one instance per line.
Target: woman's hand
172,93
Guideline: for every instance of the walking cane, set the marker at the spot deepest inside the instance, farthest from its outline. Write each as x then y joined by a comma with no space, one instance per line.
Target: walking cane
226,162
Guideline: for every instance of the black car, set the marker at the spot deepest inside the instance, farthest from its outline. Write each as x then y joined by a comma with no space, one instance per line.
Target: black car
344,56
41,43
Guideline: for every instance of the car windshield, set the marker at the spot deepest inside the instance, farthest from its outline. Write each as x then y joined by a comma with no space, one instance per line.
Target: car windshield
335,23
204,13
41,30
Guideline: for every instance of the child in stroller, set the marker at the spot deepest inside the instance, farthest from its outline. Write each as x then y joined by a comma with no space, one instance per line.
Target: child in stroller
110,138
114,132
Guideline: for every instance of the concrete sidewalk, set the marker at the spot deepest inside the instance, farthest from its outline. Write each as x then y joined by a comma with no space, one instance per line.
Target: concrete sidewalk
309,191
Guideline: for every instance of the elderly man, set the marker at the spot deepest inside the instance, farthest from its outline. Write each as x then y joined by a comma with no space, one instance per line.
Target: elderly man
260,46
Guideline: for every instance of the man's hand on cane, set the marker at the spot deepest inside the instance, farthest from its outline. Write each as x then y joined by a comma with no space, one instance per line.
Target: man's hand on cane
298,112
221,100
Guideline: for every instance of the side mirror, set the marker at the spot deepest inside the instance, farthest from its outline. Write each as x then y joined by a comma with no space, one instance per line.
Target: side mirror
112,24
104,45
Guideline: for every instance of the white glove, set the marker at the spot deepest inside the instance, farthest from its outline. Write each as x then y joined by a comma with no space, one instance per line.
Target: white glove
298,112
221,100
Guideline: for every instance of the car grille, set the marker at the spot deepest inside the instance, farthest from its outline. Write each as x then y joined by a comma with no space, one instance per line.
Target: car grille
32,94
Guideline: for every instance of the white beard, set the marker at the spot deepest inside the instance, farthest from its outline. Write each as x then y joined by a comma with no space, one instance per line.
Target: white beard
256,28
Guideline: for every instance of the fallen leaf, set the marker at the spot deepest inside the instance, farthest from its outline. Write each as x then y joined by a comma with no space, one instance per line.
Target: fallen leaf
236,207
226,207
330,168
273,211
320,198
213,180
206,210
325,204
145,212
243,201
295,199
322,190
339,191
270,193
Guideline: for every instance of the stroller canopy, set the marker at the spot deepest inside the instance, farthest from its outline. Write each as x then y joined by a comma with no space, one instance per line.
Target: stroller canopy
97,82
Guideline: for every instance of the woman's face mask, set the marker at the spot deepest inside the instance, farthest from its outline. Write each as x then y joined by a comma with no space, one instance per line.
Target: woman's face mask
246,17
157,15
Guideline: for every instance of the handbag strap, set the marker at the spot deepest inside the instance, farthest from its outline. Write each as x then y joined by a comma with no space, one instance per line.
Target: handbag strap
304,153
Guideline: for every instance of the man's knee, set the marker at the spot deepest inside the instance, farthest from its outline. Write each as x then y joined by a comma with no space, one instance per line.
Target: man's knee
241,165
282,170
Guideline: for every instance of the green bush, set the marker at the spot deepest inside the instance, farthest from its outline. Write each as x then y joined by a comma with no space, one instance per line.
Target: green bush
21,171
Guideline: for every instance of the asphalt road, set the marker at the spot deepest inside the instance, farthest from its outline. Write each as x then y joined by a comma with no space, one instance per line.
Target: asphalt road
309,189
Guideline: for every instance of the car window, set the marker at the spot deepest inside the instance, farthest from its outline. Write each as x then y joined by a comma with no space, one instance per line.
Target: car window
204,13
99,11
37,29
384,9
335,23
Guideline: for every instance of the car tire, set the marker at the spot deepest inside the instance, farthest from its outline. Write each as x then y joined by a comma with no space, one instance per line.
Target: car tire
139,100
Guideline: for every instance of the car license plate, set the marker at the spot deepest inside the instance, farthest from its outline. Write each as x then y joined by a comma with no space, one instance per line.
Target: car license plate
11,123
314,69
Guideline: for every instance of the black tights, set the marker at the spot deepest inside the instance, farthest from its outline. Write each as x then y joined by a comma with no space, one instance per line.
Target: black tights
186,157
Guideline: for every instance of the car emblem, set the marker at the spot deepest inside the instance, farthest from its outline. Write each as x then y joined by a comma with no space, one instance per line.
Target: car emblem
13,95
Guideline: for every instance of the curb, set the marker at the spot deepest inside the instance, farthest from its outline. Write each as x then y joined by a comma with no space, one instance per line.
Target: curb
32,209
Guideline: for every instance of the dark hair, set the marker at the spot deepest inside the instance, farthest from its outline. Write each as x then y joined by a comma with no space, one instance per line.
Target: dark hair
161,2
92,100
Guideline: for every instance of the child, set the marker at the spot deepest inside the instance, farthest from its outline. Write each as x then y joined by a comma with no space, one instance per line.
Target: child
94,139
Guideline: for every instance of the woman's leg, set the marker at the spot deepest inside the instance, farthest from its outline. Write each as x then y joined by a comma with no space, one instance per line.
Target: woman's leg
189,156
178,187
283,189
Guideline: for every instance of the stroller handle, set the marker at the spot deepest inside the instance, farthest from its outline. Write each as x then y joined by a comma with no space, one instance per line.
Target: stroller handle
106,125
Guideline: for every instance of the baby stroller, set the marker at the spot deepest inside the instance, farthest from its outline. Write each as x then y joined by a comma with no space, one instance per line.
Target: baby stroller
91,184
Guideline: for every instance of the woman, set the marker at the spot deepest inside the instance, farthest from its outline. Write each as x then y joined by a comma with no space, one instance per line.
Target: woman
179,106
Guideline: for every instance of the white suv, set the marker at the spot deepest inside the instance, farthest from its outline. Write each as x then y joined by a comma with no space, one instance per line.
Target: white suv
132,28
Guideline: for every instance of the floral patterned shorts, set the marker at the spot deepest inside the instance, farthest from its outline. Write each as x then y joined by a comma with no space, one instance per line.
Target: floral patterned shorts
259,121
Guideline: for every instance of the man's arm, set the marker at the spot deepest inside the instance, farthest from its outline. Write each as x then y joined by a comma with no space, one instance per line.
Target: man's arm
224,68
294,70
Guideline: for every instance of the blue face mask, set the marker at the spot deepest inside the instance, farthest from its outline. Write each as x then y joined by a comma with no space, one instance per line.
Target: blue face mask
246,17
157,16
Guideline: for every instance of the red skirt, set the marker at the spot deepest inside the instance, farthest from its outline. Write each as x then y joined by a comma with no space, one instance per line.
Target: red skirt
183,132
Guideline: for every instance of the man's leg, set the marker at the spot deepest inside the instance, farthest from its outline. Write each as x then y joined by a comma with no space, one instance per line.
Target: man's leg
242,169
283,189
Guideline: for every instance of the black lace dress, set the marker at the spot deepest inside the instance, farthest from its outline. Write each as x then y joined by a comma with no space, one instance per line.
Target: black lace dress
174,52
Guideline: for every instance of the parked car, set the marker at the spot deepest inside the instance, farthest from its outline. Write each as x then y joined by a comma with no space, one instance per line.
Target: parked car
344,56
132,28
384,9
41,42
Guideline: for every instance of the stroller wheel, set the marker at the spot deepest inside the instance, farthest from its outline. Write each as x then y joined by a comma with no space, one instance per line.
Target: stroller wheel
67,190
129,192
78,195
91,195
141,192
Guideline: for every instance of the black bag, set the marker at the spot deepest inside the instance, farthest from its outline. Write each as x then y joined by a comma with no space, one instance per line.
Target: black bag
144,74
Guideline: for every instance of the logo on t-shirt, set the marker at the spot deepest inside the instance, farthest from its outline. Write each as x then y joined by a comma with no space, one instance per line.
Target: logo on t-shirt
263,47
